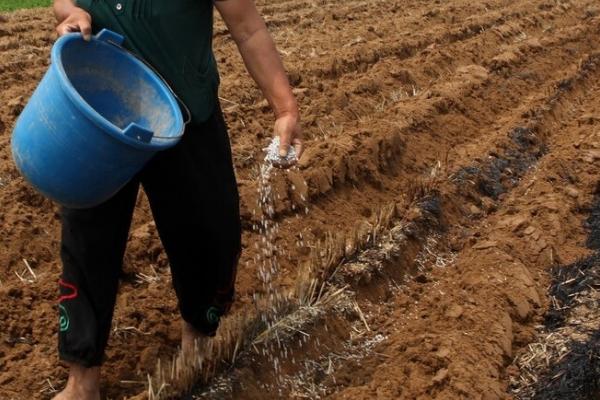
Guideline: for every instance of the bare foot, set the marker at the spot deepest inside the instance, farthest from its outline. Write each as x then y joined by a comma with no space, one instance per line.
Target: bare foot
83,384
193,344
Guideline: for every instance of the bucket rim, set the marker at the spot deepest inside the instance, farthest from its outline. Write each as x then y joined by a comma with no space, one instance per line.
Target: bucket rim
94,116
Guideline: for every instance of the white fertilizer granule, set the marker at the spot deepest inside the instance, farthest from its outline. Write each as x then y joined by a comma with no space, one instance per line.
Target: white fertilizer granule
272,154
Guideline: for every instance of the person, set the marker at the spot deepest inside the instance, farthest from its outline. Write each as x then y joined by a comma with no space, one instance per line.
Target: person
191,187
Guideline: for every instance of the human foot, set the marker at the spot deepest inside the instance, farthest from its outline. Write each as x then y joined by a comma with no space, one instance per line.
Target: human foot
193,343
83,384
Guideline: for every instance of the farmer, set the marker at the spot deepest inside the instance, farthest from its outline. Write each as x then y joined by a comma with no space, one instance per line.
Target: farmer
191,188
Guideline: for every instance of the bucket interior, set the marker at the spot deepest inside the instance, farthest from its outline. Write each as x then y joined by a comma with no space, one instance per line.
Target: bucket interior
116,86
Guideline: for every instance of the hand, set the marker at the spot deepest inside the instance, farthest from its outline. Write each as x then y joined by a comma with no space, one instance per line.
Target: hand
78,21
287,127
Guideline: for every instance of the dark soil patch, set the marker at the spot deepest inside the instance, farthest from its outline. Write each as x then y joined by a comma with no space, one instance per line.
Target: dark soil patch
576,376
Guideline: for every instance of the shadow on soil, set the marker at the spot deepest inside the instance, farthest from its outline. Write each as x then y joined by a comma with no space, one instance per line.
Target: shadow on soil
577,375
593,222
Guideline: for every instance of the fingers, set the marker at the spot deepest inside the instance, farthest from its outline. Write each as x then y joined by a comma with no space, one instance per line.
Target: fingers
86,30
299,147
290,134
63,29
287,127
83,27
78,21
284,144
284,164
80,26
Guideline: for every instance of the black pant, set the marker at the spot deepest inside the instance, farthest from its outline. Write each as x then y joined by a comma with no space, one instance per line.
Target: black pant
194,199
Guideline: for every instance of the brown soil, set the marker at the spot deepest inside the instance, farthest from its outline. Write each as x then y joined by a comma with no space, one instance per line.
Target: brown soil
452,150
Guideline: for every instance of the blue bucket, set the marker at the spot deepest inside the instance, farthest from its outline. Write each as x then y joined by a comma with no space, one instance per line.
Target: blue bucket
98,115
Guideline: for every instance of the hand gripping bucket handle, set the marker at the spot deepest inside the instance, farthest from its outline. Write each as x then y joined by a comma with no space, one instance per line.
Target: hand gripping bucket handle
117,40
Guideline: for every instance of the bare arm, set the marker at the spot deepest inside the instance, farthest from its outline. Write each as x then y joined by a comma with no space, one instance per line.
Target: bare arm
257,48
72,19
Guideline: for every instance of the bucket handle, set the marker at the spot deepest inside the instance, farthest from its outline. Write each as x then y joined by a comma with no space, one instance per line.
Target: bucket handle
117,40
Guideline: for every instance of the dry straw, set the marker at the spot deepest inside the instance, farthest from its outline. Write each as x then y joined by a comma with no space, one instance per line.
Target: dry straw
279,316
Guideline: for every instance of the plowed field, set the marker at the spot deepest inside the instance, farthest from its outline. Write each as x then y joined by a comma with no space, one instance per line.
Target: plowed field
453,160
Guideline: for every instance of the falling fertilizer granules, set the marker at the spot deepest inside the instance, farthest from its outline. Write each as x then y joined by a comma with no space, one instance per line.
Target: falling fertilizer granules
268,255
268,227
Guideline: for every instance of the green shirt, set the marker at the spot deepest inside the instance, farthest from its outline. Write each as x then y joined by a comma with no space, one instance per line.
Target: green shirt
174,36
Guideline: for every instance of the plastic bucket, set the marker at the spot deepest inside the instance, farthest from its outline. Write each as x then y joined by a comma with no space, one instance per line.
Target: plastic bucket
98,115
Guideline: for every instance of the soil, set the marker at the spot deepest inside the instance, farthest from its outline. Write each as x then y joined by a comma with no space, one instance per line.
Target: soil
453,155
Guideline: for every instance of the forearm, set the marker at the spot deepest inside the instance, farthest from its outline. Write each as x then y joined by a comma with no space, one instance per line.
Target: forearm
63,8
264,65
